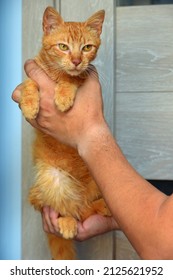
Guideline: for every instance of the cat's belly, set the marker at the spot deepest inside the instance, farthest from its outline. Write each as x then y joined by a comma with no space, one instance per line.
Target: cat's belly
53,153
56,188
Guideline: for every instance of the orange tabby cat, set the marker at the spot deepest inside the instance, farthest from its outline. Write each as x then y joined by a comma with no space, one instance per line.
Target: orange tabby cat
62,179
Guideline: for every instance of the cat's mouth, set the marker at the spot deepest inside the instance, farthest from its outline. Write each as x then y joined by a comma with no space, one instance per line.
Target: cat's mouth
74,72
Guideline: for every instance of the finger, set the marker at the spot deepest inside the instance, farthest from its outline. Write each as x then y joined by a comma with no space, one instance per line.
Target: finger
46,218
45,225
36,124
54,219
16,95
34,72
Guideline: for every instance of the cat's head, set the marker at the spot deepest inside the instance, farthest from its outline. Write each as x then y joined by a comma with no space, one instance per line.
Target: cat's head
71,46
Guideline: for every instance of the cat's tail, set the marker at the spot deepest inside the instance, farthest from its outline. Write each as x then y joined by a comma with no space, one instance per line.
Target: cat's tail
60,248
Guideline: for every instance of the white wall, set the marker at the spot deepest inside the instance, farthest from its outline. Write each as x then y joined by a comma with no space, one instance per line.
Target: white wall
10,130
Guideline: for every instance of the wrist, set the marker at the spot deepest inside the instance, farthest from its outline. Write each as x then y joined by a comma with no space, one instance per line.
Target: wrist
93,140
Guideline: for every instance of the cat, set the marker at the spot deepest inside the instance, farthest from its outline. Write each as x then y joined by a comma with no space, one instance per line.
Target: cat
63,181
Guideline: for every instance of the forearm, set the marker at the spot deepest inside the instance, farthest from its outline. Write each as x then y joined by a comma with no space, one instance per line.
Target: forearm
135,204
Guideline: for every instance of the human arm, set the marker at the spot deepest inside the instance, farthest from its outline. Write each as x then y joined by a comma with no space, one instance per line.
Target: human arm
142,212
92,226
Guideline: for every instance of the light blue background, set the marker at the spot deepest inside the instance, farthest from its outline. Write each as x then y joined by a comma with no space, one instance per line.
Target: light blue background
10,129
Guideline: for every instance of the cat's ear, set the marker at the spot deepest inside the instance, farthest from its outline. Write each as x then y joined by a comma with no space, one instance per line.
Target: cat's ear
96,21
51,19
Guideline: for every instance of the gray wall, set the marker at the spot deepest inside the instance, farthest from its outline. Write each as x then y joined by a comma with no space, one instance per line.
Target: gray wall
144,93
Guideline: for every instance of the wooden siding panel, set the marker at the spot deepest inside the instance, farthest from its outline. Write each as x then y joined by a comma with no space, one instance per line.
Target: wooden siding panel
144,98
144,48
97,248
124,250
144,129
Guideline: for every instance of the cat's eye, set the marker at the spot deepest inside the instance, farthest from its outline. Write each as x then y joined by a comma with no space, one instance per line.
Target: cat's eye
87,48
63,47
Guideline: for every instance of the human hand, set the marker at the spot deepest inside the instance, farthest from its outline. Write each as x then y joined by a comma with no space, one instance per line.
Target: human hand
92,226
72,126
95,225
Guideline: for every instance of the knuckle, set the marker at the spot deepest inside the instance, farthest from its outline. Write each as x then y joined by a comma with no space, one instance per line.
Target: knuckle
46,104
28,65
42,122
44,210
45,229
80,238
55,224
31,68
52,231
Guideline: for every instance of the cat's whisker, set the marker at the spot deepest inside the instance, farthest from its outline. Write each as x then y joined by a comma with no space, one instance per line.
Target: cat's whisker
54,68
103,78
91,71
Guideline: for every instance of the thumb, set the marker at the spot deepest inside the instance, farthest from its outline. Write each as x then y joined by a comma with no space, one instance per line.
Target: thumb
16,95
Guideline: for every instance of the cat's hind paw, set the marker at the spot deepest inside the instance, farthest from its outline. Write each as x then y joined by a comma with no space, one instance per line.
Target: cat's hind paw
67,227
101,208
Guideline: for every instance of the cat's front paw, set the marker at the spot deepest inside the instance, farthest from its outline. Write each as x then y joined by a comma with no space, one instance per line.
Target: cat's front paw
29,102
64,96
67,227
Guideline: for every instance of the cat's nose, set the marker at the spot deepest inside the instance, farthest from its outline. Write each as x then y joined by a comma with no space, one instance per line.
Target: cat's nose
76,61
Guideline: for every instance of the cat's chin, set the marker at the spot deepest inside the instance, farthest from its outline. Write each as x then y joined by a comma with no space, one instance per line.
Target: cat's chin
74,72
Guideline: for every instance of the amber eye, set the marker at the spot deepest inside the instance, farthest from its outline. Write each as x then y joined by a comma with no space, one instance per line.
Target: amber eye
87,48
63,47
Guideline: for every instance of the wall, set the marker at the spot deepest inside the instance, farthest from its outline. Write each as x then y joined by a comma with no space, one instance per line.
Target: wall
144,98
10,138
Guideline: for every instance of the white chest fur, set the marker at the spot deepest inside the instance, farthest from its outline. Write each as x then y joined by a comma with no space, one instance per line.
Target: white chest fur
60,190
